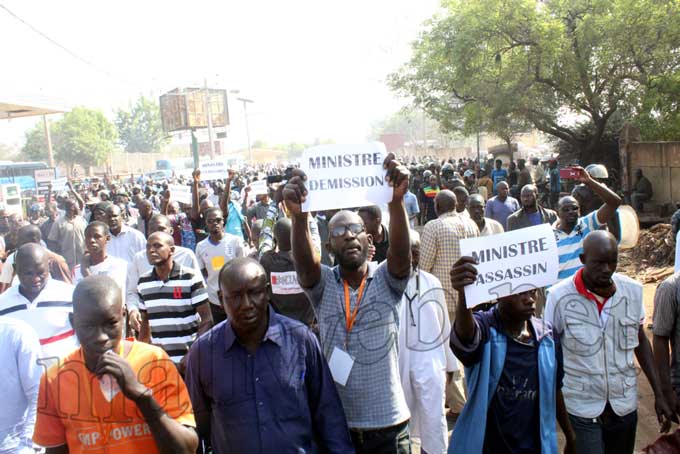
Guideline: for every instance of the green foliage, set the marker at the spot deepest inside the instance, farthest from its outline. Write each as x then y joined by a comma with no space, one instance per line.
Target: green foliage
83,137
140,129
35,148
504,65
659,118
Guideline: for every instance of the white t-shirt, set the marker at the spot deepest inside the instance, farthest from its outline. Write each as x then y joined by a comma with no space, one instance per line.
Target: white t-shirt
212,257
48,314
128,242
113,267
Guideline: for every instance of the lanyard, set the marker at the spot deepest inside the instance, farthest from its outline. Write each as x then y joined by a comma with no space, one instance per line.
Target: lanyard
411,298
349,319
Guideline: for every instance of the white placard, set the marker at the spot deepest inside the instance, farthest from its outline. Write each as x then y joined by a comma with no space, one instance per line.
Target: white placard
259,187
511,262
59,184
180,193
213,170
43,177
343,176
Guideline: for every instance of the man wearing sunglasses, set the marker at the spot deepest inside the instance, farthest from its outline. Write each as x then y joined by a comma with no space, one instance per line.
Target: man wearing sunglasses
357,305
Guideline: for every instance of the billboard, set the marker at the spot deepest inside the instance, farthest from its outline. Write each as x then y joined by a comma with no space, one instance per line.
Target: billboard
183,109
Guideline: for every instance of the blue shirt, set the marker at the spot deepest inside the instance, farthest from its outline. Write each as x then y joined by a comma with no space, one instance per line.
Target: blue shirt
500,210
278,400
412,208
513,417
235,220
498,175
570,245
535,218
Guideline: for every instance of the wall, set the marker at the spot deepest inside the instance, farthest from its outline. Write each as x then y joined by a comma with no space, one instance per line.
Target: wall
660,162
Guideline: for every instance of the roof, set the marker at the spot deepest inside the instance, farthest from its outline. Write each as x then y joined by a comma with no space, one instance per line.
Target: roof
14,108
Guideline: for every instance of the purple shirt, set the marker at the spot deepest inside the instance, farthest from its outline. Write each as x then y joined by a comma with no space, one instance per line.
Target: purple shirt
499,211
281,399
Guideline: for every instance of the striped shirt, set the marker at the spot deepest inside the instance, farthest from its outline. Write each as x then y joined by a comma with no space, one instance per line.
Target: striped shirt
48,314
171,308
570,245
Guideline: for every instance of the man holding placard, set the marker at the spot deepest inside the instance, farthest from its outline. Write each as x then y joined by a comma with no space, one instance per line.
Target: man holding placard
514,374
350,298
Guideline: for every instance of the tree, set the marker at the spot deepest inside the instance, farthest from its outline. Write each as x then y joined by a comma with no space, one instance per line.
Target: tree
140,129
659,118
83,137
35,148
554,65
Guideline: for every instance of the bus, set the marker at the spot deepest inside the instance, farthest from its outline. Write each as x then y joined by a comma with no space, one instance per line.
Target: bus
20,173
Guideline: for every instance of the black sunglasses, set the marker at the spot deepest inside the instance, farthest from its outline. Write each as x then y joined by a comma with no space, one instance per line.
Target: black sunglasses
339,230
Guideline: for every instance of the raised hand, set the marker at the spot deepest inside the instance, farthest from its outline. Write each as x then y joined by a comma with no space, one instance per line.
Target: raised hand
397,175
294,192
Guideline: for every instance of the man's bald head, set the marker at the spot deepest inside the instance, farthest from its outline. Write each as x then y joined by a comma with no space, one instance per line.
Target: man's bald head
444,202
32,266
599,258
98,317
345,217
502,185
566,200
99,293
528,189
29,234
599,240
29,255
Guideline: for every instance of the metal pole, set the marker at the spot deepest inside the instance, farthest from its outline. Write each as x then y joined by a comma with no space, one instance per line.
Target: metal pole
208,114
250,150
48,139
479,158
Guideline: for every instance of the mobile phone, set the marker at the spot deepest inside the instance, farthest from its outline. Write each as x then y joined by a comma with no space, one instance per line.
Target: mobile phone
569,173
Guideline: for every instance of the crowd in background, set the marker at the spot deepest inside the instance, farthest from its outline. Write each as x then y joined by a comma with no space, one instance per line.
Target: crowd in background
269,328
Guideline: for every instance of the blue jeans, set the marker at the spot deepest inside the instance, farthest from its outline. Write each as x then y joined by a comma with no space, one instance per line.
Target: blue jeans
606,434
388,440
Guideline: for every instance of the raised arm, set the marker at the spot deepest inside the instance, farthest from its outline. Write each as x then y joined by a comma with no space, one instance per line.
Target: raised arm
195,209
74,193
399,252
463,273
307,263
48,199
611,200
224,200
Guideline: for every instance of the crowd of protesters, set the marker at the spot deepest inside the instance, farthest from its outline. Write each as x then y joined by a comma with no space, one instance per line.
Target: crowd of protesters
238,323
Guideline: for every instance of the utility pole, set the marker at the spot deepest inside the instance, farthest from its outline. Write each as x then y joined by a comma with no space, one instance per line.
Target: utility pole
208,113
245,102
48,139
479,158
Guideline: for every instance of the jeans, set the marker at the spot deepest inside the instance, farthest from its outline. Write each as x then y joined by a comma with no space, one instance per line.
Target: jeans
606,434
388,440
